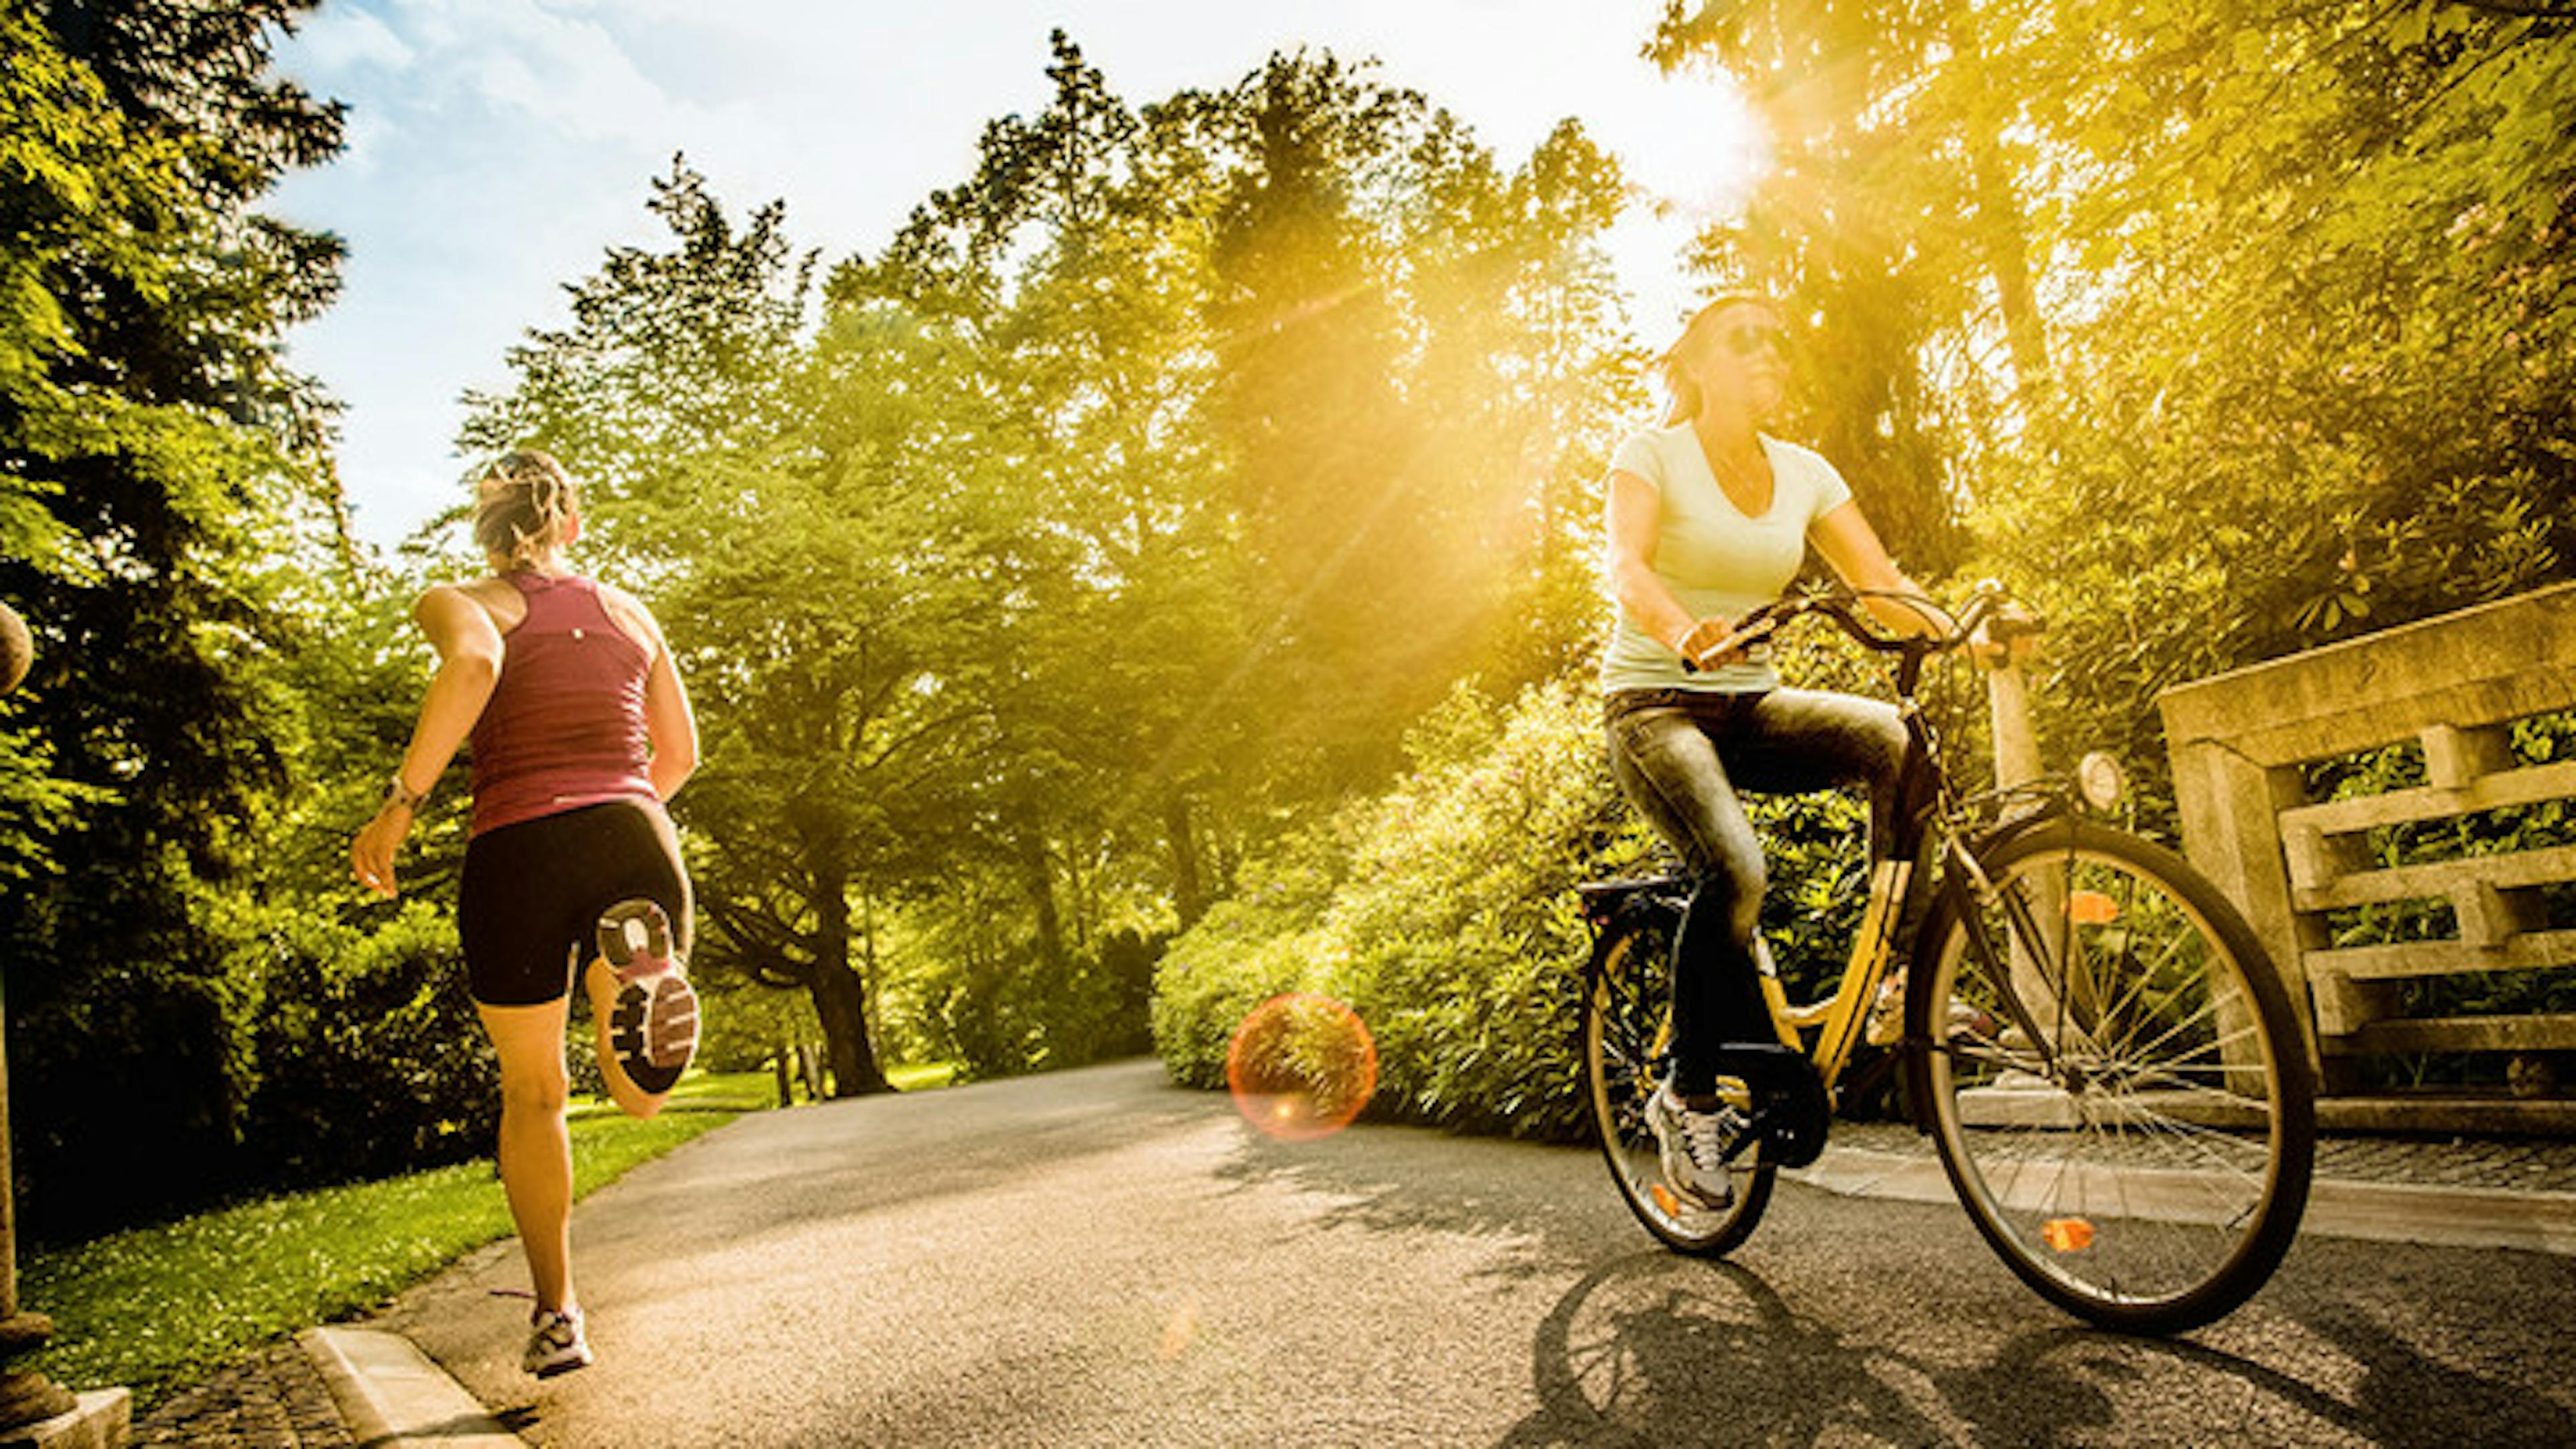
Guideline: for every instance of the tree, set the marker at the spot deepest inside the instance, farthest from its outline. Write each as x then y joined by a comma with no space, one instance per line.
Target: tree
160,485
2309,288
673,368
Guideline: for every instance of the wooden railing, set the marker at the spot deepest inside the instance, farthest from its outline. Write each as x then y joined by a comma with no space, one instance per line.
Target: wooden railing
2454,685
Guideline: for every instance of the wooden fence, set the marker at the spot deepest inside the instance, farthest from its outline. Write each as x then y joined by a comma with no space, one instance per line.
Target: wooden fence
2454,685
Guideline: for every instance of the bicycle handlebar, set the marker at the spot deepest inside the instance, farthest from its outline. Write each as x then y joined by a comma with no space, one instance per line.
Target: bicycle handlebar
1985,608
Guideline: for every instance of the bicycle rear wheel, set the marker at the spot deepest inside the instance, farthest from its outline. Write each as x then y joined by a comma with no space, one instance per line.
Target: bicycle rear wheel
2136,1141
1626,1033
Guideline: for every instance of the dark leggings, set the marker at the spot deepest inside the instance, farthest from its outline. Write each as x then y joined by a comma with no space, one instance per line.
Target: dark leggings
1680,756
532,894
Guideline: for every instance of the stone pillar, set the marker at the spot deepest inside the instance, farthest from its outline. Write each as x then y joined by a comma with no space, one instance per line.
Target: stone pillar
33,1408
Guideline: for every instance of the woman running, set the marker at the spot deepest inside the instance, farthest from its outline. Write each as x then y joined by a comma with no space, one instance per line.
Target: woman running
580,730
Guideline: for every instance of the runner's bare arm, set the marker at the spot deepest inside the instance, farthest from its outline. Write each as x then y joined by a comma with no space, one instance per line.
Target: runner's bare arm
668,722
469,663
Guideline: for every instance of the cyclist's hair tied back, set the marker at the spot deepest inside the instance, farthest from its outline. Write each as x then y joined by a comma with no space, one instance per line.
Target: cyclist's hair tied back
523,505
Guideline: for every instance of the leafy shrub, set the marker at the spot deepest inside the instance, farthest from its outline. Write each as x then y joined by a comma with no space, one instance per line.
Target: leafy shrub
742,1025
1444,913
1011,1010
371,1059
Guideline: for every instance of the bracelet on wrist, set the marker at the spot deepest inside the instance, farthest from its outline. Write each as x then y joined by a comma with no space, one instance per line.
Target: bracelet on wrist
398,793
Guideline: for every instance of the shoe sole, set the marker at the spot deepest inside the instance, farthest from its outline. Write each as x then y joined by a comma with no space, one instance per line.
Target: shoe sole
653,1027
552,1370
654,1030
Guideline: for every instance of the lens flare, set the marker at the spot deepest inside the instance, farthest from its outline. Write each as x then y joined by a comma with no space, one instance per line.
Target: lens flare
1301,1066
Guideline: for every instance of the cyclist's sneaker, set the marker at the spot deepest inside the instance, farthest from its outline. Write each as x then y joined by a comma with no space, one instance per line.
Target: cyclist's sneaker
1694,1143
556,1343
653,1026
1887,1014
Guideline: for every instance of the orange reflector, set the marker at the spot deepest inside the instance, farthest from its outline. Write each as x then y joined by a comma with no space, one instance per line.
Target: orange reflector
1664,1199
2067,1235
2092,908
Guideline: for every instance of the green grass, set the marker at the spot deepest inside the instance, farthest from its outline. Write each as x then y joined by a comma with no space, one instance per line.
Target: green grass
922,1078
160,1306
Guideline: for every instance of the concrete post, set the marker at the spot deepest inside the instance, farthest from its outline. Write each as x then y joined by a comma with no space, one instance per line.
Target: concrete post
2016,751
2008,709
33,1408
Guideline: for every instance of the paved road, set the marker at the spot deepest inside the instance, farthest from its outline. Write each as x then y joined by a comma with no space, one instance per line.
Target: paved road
1098,1258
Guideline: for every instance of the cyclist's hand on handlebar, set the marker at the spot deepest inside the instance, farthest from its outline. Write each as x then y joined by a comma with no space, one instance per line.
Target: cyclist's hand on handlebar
2005,637
1712,643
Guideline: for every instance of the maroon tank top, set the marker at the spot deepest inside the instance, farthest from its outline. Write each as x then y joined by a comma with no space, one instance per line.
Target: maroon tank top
565,725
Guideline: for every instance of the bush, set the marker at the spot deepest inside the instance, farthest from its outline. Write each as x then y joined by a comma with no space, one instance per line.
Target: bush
371,1060
1444,913
743,1024
1009,1010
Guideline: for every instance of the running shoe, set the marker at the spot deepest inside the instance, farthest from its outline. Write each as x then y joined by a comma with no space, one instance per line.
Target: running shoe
556,1343
1694,1143
653,1026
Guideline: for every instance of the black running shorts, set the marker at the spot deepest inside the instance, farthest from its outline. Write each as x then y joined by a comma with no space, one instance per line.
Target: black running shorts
533,894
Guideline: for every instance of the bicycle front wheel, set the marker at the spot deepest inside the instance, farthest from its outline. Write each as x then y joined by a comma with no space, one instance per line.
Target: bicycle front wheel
1626,1041
2119,1090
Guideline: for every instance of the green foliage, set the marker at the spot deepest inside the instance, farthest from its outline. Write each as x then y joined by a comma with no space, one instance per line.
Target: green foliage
161,490
1015,1011
742,1026
368,1054
1442,912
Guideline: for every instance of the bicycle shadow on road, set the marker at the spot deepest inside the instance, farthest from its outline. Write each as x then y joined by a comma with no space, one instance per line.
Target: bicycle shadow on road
1654,1350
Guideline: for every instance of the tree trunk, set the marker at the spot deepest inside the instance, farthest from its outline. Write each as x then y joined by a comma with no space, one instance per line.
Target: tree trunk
840,996
1189,897
841,1002
2007,256
1040,883
2000,232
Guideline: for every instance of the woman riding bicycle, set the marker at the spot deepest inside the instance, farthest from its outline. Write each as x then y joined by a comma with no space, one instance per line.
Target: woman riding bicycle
1708,519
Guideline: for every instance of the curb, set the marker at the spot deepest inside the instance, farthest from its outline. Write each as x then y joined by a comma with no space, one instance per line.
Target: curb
2444,1217
392,1394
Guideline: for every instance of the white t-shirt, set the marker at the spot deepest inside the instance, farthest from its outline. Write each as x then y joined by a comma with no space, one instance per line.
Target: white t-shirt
1716,560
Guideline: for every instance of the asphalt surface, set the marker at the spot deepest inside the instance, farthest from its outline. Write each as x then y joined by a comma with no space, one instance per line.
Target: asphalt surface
1099,1258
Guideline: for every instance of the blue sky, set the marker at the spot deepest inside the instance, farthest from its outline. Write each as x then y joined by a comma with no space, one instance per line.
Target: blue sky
497,146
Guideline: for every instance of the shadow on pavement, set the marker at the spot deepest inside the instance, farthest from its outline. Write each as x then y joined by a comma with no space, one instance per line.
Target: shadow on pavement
1651,1351
1635,1354
1550,1204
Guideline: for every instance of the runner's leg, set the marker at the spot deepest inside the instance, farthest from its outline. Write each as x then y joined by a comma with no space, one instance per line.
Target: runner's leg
536,1147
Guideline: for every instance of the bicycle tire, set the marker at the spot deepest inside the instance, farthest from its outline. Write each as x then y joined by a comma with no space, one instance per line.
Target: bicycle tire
1626,1025
2150,1171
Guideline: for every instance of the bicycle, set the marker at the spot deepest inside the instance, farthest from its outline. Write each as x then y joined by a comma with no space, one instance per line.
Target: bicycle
2092,1036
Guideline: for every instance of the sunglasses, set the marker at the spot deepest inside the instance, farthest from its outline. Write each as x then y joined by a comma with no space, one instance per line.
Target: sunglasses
1747,338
